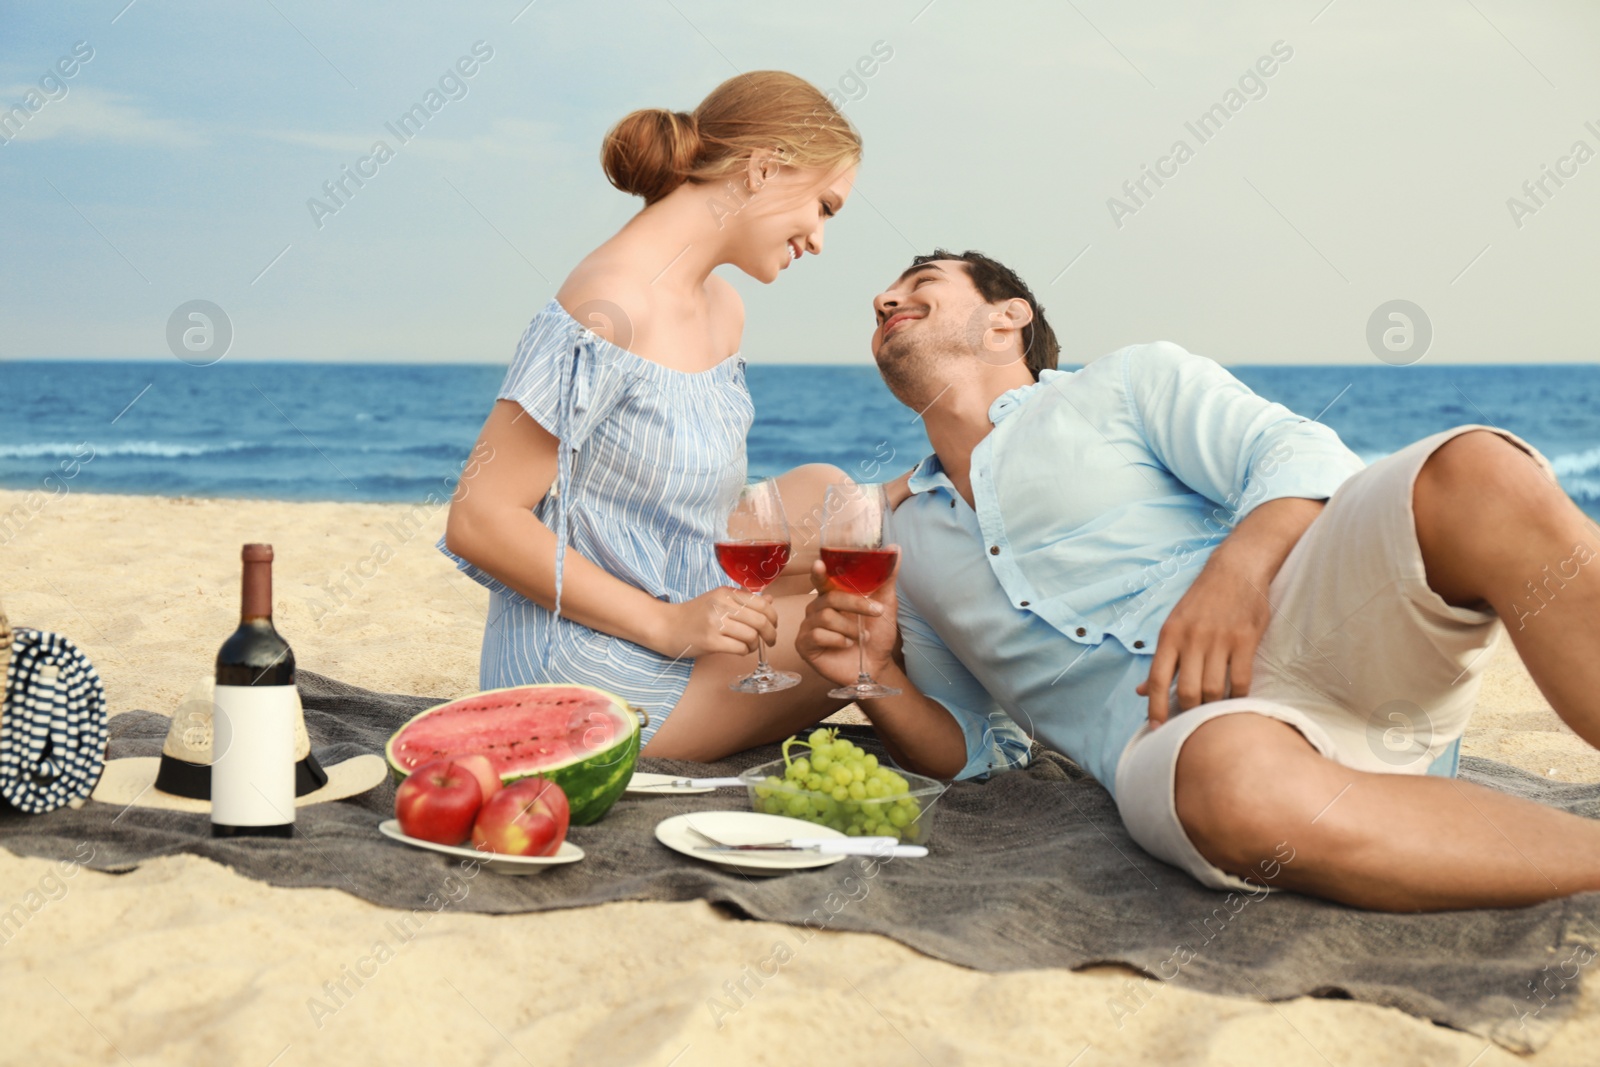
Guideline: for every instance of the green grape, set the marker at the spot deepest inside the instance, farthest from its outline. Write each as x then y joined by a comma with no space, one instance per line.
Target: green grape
841,785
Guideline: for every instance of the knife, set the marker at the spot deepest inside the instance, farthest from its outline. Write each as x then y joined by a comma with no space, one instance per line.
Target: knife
882,847
693,783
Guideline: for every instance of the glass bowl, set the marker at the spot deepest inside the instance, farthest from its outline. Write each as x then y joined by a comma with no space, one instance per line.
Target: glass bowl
906,816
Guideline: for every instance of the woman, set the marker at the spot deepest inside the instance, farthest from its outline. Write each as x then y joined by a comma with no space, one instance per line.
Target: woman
617,443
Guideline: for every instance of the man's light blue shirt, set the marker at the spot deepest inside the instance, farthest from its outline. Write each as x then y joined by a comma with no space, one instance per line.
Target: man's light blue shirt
1098,497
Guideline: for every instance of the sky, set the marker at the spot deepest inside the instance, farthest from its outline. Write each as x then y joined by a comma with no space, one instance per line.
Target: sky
1383,159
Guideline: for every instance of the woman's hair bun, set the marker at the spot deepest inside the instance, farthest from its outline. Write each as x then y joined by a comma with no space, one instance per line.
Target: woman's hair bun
650,152
654,151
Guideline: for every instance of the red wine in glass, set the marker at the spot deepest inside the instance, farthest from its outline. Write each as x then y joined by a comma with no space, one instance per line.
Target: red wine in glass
854,553
753,552
860,570
753,564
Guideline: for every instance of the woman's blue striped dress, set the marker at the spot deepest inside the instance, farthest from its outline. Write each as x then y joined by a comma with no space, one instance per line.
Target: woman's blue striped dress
650,461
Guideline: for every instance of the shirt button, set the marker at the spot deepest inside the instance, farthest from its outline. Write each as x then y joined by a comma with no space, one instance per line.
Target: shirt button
1138,644
1023,604
994,550
1080,631
952,503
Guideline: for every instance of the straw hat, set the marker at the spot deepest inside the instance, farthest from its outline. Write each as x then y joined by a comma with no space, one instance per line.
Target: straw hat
180,778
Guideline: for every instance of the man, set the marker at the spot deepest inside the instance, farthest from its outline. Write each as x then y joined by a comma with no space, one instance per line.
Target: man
1256,644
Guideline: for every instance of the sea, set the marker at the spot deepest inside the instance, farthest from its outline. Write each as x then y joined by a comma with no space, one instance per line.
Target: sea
400,432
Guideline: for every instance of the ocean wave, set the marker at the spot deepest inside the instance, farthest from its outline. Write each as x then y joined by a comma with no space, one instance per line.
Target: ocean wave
1582,489
166,449
1568,464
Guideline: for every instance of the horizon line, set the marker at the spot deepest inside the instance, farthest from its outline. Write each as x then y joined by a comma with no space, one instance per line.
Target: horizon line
148,360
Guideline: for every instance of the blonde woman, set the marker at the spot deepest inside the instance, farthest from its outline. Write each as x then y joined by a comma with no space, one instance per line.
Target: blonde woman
617,443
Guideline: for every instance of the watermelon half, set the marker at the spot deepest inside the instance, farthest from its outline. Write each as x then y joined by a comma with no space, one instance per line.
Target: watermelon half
584,739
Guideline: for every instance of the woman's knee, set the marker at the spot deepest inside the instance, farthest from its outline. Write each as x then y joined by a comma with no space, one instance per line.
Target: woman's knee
811,479
804,490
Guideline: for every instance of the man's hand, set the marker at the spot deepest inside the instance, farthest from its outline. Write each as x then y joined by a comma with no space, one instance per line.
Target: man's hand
827,638
1210,639
921,734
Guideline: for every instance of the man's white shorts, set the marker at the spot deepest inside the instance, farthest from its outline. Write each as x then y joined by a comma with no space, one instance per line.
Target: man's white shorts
1362,656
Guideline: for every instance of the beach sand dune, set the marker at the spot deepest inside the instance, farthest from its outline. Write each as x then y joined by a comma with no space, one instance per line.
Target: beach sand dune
184,962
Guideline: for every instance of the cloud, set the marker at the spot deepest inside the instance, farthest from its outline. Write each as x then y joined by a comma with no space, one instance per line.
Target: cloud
509,138
96,115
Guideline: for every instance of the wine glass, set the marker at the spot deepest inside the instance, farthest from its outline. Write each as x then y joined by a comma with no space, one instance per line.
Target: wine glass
753,553
856,558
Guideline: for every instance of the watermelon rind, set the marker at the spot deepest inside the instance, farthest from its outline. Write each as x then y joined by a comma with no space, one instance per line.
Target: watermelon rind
592,785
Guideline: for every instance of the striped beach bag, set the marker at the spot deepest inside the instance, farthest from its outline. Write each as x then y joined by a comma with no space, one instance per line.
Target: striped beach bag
53,725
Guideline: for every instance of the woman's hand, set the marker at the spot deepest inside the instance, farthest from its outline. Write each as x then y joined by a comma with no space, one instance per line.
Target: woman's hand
727,619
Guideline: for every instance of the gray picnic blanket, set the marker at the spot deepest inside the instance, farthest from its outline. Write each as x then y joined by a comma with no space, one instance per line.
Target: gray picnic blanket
1031,869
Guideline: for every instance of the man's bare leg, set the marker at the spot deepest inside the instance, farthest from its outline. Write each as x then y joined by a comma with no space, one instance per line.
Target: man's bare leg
1494,530
1489,523
1251,788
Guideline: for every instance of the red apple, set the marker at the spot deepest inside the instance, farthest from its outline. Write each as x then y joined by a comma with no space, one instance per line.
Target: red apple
526,818
438,802
483,770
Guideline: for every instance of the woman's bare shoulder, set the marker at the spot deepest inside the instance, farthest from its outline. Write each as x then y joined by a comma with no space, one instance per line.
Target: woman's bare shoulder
610,295
608,298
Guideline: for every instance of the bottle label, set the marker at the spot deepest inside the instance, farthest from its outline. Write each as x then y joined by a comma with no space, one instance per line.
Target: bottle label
252,762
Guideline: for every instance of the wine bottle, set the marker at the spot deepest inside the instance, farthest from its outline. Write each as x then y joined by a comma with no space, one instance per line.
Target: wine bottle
252,758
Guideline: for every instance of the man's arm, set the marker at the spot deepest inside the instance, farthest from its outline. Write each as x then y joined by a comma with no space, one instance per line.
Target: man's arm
938,738
1210,639
1269,471
1224,441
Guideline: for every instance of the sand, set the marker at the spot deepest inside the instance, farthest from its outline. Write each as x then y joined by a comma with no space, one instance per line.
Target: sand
183,961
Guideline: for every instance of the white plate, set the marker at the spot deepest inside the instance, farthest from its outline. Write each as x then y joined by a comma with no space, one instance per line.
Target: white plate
745,828
658,785
494,861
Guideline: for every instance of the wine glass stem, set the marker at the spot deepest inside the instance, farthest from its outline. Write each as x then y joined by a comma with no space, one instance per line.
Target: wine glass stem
861,651
762,668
